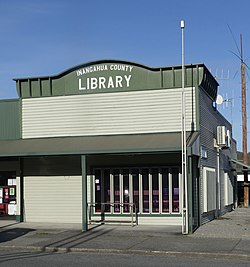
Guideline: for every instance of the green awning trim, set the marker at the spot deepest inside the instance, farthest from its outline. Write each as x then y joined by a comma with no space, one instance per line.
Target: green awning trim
246,167
163,142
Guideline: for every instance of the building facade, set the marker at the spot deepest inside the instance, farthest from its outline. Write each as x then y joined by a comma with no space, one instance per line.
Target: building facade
102,142
241,184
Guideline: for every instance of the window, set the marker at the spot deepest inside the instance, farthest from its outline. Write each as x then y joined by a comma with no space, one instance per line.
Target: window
149,190
106,187
155,191
126,190
145,190
136,195
209,189
228,189
175,191
165,190
116,190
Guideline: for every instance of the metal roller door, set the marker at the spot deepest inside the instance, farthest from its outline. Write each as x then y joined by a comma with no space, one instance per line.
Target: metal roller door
56,199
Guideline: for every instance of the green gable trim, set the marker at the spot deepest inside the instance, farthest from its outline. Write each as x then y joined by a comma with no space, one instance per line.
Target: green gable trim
105,76
10,119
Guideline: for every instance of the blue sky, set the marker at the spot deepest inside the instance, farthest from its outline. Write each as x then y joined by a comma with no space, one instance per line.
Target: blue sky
45,37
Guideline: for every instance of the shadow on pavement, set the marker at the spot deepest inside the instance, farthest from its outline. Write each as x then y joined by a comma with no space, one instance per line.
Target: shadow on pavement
13,233
79,238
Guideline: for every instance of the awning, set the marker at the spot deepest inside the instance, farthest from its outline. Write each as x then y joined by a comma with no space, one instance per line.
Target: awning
246,167
91,145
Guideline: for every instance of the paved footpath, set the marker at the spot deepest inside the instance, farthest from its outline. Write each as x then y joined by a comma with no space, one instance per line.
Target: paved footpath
228,236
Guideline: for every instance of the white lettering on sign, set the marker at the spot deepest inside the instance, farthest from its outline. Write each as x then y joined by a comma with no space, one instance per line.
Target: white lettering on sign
104,67
103,82
121,67
91,69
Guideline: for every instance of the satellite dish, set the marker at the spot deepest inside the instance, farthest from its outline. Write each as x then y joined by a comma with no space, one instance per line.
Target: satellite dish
219,100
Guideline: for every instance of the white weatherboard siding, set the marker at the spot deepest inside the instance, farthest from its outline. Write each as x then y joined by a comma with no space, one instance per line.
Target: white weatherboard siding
151,111
55,199
160,220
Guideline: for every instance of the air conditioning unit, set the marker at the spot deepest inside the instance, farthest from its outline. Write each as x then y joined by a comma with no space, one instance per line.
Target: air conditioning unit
229,139
223,137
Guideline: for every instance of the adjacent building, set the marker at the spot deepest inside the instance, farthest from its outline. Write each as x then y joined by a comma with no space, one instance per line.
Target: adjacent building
102,142
241,168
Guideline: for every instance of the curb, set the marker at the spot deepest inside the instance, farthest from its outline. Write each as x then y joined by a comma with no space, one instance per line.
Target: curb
128,251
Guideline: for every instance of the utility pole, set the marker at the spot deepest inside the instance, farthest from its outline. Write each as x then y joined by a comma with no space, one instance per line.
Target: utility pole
244,126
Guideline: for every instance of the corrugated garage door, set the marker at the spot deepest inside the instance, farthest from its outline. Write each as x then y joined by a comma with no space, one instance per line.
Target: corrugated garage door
56,199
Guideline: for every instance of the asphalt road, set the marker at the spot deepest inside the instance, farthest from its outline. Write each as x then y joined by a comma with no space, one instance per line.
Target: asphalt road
40,259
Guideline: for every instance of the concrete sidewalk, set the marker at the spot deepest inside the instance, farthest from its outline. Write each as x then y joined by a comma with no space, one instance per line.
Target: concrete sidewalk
228,236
